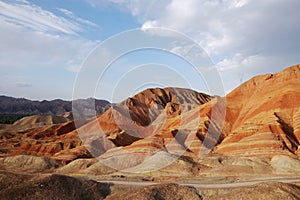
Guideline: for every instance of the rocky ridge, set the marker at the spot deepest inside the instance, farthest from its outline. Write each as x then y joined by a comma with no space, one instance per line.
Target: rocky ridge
11,105
260,118
160,135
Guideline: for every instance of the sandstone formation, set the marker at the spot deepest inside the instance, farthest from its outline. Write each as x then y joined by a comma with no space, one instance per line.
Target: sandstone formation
142,126
54,141
29,164
157,135
144,114
285,165
56,136
261,118
35,121
264,116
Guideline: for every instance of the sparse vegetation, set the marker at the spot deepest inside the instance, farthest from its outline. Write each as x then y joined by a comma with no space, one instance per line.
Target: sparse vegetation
10,118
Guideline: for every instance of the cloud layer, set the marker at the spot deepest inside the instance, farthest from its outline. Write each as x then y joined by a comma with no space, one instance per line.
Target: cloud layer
33,41
243,37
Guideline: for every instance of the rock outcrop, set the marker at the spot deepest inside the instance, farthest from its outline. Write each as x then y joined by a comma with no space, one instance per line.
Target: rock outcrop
29,164
145,113
261,118
55,141
264,116
34,121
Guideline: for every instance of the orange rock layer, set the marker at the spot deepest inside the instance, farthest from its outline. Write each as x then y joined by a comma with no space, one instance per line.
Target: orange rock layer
259,118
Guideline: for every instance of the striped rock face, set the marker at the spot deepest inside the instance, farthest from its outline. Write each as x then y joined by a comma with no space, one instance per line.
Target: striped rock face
265,116
141,125
259,118
262,119
153,121
59,141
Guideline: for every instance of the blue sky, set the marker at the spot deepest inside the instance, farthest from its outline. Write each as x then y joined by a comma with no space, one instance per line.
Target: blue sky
44,43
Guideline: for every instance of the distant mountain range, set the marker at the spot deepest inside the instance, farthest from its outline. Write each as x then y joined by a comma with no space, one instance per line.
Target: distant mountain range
22,106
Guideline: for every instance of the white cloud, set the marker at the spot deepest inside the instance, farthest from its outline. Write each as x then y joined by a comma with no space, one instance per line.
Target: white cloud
149,24
71,15
23,1
22,48
144,10
31,36
65,11
242,36
36,18
23,84
13,82
40,51
238,3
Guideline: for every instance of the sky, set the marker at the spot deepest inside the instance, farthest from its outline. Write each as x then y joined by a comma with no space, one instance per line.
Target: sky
44,43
